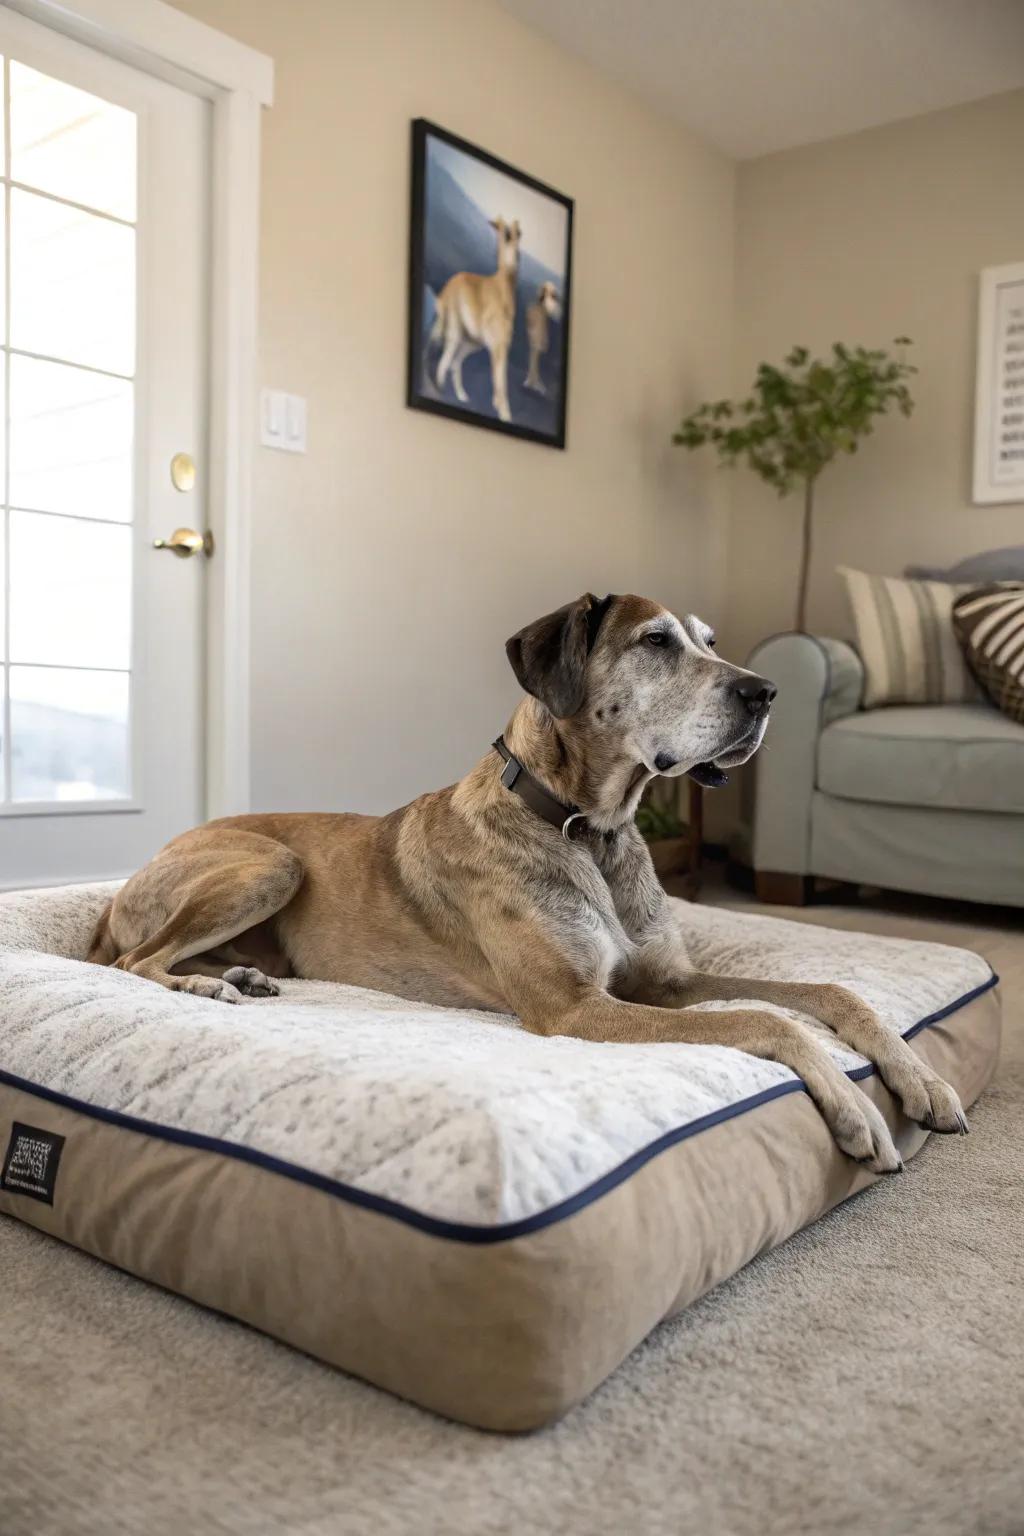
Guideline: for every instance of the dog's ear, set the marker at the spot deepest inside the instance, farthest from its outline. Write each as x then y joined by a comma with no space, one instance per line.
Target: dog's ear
549,656
495,223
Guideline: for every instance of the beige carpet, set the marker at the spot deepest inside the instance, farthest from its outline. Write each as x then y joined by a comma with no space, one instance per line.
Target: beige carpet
868,1377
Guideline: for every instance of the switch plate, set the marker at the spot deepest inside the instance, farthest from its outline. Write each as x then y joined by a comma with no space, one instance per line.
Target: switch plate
282,421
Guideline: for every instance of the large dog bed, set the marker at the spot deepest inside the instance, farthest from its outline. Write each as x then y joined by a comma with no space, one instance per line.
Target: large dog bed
479,1219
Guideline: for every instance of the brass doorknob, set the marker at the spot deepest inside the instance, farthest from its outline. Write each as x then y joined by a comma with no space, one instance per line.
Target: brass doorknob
186,541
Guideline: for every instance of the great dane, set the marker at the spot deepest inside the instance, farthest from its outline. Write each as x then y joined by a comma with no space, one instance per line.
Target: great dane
526,887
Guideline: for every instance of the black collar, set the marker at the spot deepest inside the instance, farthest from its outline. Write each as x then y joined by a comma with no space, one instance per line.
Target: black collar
569,819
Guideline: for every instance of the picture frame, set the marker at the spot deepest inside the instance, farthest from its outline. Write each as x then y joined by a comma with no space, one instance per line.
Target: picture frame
490,291
999,388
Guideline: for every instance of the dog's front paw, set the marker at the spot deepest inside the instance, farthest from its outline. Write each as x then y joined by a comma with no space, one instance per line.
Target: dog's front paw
944,1112
251,982
928,1101
862,1134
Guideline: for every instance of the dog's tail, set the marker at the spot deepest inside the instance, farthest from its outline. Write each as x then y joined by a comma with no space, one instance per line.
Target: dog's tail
103,950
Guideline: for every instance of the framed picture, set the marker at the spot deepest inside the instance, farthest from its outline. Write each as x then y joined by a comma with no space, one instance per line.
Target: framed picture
490,291
999,400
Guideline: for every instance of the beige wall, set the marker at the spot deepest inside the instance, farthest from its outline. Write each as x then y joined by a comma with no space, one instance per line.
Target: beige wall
392,561
862,239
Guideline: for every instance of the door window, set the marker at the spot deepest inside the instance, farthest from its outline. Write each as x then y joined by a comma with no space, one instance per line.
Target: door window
69,366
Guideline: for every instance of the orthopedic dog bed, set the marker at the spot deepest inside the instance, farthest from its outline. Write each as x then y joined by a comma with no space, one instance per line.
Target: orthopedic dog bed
476,1218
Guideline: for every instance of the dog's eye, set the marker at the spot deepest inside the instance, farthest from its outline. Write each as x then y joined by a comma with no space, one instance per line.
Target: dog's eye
710,642
656,637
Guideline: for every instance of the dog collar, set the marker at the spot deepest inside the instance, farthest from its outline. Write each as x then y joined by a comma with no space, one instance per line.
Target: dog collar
569,819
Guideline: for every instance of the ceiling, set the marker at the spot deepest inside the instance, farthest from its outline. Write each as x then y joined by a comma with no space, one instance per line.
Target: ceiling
754,76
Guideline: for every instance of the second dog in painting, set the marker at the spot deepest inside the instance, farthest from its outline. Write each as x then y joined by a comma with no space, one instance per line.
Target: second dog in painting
545,308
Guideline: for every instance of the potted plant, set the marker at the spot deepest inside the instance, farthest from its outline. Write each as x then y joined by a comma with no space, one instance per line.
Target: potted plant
797,418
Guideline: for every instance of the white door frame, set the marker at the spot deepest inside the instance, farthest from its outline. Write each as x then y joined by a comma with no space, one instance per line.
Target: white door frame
239,82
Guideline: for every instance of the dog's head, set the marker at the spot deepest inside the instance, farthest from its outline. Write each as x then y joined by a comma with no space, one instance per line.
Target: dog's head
547,298
626,675
509,236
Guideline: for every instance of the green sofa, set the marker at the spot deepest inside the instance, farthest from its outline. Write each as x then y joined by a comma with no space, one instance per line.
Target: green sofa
913,798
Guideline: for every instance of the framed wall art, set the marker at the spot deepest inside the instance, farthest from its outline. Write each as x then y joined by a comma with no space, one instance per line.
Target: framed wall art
490,290
999,401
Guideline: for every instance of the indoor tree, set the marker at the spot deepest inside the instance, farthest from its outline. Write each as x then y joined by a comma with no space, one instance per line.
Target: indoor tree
796,418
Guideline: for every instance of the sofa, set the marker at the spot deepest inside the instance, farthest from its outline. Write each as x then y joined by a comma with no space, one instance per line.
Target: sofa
924,798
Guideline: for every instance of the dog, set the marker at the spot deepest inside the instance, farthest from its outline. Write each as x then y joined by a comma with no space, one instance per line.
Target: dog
526,887
475,311
540,313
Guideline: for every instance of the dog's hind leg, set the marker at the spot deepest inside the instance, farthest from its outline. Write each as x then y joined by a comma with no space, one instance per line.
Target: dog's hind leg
250,980
499,376
464,350
203,891
452,343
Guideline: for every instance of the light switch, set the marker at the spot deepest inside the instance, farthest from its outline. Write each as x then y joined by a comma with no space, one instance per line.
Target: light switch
295,423
282,421
271,418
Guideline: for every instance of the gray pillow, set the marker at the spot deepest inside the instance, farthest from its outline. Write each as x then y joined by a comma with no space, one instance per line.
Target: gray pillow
991,565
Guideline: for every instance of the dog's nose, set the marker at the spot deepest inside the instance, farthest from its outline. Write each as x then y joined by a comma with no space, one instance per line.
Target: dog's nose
664,761
757,694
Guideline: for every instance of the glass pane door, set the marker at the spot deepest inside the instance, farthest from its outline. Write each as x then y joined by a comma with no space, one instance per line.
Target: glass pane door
69,360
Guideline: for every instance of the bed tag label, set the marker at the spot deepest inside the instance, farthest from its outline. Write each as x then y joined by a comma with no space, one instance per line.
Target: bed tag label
31,1163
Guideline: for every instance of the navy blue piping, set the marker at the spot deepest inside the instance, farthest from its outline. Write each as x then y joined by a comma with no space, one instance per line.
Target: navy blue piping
462,1232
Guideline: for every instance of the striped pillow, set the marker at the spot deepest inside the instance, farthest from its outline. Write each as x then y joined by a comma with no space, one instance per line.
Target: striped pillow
989,623
906,640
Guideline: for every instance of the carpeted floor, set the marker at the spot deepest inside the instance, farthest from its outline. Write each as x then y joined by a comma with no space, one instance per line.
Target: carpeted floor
868,1377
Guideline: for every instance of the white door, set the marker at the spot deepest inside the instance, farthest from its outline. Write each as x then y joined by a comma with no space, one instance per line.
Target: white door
105,239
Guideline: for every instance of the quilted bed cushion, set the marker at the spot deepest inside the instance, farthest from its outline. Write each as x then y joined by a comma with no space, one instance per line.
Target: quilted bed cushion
474,1217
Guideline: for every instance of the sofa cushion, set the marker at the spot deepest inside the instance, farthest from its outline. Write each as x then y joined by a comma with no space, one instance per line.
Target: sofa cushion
965,757
905,637
989,623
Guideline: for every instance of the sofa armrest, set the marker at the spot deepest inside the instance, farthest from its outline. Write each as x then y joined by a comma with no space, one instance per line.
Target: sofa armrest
819,680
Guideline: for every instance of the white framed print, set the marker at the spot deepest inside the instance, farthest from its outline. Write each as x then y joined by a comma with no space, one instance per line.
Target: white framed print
999,398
